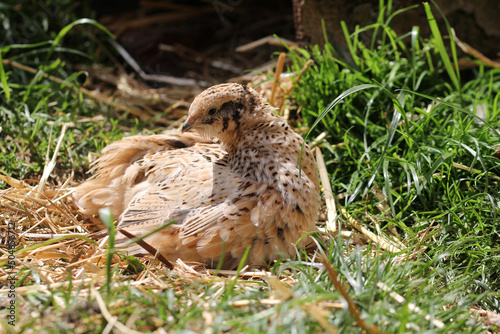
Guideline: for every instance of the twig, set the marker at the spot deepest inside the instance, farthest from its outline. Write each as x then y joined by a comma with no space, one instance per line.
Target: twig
153,251
112,321
412,307
372,236
49,235
277,76
474,170
327,190
308,64
350,303
473,52
49,167
242,273
266,40
320,315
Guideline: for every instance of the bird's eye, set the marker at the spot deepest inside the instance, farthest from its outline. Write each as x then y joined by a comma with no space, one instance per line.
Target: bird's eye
212,111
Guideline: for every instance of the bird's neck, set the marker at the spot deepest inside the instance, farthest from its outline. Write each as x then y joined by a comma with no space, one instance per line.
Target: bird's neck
264,152
269,154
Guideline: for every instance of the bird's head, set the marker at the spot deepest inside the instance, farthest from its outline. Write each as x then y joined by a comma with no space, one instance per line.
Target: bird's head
221,111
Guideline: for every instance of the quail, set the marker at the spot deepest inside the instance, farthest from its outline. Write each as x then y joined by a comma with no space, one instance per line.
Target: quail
231,179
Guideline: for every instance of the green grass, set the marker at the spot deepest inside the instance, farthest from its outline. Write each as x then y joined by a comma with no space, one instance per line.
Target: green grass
48,38
182,304
418,158
413,129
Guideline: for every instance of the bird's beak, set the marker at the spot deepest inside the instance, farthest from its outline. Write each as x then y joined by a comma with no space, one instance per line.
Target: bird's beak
188,124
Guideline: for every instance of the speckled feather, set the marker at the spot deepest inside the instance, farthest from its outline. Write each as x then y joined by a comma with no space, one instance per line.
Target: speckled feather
243,191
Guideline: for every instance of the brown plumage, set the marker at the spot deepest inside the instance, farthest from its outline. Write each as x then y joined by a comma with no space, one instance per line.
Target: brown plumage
245,191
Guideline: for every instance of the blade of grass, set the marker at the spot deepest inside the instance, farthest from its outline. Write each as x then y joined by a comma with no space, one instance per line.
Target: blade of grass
452,41
70,26
230,288
336,101
415,50
3,80
108,220
387,183
350,45
392,130
328,109
441,47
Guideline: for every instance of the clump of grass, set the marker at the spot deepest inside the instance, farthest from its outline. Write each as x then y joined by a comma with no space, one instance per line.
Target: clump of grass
419,147
33,106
